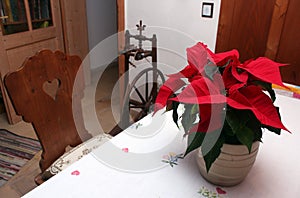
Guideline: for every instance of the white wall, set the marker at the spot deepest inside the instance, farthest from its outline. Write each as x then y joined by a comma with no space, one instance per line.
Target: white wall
102,23
182,15
102,20
178,25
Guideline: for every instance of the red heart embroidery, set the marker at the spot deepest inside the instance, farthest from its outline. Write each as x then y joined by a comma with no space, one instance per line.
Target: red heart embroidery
75,173
125,150
220,191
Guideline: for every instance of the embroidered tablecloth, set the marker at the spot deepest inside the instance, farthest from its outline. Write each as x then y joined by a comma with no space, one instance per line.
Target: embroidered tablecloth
146,161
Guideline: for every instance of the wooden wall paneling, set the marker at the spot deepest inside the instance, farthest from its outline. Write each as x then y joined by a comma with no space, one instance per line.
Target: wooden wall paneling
27,51
4,68
289,46
26,38
74,23
11,115
57,23
75,27
249,26
278,19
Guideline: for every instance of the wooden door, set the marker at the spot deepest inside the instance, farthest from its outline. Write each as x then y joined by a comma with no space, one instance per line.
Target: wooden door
121,44
262,28
244,25
289,44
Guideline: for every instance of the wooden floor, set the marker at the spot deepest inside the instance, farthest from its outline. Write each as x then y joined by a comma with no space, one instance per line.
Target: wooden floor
104,103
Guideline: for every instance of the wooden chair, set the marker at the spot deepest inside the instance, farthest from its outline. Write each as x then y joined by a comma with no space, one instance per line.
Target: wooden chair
42,92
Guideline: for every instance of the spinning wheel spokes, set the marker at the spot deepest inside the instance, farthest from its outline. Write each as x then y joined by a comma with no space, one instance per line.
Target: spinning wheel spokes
140,95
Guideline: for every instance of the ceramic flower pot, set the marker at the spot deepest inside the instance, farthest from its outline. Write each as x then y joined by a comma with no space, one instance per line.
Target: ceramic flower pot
231,167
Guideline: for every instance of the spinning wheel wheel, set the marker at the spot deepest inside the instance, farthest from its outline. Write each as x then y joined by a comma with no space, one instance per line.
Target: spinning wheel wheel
140,95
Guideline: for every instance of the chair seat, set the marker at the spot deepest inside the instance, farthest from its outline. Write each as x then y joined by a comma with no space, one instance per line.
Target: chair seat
74,155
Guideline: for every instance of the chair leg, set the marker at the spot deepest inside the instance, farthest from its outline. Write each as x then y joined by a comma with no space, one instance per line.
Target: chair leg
38,179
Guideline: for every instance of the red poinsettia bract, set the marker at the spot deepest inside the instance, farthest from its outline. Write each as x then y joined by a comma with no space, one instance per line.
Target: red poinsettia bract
221,78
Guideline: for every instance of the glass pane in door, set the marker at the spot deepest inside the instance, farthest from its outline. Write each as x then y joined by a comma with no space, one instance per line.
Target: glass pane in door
13,16
41,15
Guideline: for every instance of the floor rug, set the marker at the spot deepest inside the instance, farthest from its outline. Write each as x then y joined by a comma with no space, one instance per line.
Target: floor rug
15,151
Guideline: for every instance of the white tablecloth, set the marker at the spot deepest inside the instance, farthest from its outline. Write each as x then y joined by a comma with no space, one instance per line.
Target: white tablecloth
133,164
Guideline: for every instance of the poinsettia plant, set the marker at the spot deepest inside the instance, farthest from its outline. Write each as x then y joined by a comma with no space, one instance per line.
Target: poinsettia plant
225,101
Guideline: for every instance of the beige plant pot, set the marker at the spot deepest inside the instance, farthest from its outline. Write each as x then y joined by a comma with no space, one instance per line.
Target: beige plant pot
231,167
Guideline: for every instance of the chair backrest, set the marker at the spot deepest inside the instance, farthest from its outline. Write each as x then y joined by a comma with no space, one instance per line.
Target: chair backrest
42,92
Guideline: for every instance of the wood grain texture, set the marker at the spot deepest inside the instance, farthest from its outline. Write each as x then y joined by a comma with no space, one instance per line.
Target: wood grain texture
4,69
263,28
245,26
12,41
58,120
15,48
289,46
224,27
27,51
278,19
74,23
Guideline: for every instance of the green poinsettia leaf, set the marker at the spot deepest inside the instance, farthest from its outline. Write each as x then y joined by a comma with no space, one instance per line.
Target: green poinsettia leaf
175,113
194,141
227,129
214,153
254,125
273,129
239,127
188,118
234,121
246,137
210,71
258,135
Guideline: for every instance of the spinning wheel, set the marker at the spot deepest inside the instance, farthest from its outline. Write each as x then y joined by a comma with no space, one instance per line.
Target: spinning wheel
141,92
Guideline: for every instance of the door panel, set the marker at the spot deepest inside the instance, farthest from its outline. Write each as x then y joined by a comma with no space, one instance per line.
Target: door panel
244,25
289,46
263,28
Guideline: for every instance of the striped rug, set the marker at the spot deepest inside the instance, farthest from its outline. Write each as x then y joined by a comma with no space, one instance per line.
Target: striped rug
15,151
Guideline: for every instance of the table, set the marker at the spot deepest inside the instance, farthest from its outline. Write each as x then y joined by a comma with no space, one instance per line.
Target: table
136,163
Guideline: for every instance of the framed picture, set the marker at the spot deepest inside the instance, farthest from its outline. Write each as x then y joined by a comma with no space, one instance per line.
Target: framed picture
207,9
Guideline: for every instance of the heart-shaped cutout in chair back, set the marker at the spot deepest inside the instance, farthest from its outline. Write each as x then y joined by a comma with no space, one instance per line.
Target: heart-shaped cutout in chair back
51,88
